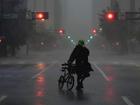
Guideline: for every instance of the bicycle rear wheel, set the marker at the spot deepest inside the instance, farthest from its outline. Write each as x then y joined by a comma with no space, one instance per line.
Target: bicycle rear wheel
61,82
70,82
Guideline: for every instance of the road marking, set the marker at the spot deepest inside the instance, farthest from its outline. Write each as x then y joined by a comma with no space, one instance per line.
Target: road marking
101,71
127,101
2,98
51,65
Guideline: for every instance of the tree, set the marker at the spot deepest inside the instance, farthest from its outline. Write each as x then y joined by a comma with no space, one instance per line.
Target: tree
115,32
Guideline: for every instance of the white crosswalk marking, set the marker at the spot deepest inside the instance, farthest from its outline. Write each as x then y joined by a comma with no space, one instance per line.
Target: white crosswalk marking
51,65
127,101
103,74
2,98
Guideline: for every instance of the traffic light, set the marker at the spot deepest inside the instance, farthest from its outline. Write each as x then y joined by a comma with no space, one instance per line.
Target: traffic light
40,15
68,37
94,31
91,37
111,16
61,31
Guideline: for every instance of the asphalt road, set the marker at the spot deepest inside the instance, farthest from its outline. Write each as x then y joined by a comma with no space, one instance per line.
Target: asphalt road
36,84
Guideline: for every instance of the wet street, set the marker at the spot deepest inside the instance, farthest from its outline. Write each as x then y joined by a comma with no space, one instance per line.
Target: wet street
36,84
37,36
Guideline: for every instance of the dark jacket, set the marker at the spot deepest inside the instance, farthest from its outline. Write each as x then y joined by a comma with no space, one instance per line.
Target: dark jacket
79,55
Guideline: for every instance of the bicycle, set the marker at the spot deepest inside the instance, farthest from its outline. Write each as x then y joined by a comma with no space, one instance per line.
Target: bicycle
67,77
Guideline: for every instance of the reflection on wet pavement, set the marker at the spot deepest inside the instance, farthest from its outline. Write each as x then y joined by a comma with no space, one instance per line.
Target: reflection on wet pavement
40,90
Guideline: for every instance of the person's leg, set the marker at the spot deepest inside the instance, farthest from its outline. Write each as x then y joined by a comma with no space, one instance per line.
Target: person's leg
81,81
83,77
78,82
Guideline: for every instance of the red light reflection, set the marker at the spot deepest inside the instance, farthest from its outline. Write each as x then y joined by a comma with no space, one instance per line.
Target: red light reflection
40,79
40,90
110,78
110,93
41,66
40,93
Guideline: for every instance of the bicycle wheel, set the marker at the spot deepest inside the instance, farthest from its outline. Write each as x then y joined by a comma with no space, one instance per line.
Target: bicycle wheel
61,82
70,82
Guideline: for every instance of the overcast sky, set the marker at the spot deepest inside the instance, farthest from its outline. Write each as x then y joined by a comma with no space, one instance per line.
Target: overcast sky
82,15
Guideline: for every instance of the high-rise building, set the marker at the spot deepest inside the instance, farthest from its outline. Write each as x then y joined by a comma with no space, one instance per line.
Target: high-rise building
8,6
129,5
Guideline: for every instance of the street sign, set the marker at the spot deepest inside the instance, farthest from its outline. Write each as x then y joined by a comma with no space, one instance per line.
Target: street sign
132,15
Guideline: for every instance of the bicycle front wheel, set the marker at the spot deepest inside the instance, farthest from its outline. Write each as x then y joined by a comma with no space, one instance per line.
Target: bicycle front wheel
70,82
61,82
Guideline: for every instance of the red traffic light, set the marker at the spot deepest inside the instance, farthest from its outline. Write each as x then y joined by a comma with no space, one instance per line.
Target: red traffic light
61,31
94,31
111,16
40,15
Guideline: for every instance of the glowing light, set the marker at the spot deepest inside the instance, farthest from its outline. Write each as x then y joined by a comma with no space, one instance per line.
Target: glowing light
94,31
91,37
40,79
42,19
61,31
40,93
42,43
68,37
40,89
40,15
100,29
40,66
117,43
110,16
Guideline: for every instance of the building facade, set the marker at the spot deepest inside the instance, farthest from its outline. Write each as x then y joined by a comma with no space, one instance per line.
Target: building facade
128,5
